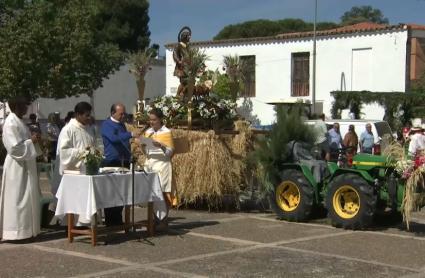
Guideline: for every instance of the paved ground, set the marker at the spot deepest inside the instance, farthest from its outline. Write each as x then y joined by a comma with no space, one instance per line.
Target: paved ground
203,244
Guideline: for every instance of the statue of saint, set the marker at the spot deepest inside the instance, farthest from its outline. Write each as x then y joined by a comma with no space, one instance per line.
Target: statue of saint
179,55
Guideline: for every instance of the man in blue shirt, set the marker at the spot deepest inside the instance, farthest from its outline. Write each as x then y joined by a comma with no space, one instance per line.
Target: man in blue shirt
335,140
367,140
116,142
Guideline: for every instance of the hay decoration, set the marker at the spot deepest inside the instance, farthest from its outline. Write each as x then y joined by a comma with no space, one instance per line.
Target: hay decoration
136,149
206,172
412,172
211,166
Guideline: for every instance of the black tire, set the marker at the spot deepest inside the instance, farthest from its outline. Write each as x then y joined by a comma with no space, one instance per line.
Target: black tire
357,209
301,209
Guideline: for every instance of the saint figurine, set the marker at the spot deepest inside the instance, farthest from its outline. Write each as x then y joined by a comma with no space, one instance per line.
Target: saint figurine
179,55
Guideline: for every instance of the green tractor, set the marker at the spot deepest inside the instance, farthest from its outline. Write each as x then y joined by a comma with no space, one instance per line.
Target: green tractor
351,195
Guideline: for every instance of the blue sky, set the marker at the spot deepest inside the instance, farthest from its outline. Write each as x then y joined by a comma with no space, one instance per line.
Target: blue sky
207,17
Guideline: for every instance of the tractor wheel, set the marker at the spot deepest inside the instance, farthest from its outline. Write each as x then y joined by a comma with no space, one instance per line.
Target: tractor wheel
292,199
351,202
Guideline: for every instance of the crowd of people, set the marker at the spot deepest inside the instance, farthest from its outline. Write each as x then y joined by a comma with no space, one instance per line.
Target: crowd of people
331,141
20,193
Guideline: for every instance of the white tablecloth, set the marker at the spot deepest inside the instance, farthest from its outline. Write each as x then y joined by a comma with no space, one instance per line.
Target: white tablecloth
84,195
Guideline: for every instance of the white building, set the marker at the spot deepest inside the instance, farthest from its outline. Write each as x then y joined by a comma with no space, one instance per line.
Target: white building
120,87
365,56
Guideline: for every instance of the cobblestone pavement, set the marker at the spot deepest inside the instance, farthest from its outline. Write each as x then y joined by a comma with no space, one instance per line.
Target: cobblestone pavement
208,244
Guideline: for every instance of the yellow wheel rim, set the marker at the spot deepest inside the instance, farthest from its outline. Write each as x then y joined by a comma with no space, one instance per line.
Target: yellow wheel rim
346,202
288,196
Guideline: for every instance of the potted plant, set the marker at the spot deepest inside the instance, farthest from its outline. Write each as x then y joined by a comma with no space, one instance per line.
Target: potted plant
91,157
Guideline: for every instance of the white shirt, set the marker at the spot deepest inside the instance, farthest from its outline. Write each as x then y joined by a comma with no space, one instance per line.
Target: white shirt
73,140
321,131
417,143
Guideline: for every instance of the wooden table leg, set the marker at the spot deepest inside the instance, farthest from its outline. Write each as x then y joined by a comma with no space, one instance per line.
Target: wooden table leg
70,227
94,230
151,226
126,219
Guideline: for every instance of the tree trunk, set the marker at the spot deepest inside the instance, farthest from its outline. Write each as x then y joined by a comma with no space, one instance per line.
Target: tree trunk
141,88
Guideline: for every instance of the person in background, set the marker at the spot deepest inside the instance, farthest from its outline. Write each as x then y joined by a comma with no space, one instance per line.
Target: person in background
116,142
58,120
20,195
322,137
406,131
335,139
53,131
34,125
69,116
417,141
351,141
159,158
367,140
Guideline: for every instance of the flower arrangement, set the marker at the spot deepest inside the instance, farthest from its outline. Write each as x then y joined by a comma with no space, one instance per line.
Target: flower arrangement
210,108
91,157
172,108
404,168
206,108
412,173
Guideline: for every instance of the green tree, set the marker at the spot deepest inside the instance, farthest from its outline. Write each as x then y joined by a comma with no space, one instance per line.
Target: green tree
363,13
264,28
124,22
52,49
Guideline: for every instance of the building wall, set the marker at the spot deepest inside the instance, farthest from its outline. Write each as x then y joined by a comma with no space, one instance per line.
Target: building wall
334,63
120,87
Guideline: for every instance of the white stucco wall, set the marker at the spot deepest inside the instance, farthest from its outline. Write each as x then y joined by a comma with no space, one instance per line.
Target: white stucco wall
120,87
334,58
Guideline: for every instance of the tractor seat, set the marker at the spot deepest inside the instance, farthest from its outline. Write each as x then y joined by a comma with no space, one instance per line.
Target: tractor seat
300,153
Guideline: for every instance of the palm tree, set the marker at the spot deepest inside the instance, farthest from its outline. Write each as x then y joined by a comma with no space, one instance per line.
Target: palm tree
193,67
232,67
141,62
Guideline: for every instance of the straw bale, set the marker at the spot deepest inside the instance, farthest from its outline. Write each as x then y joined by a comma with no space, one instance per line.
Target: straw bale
210,166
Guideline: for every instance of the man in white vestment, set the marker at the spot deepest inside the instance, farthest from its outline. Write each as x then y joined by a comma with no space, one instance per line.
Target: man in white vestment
20,194
74,138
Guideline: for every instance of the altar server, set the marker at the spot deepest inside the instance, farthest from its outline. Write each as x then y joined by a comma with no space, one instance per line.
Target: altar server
20,194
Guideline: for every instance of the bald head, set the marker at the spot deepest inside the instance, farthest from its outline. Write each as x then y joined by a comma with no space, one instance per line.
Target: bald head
118,111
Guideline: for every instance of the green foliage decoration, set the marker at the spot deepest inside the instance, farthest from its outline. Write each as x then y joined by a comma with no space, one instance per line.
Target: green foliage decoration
52,49
271,150
393,103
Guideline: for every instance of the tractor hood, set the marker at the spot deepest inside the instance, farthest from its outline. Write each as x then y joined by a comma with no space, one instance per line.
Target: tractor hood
368,161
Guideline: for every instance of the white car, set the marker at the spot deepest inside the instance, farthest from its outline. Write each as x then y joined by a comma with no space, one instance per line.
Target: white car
380,129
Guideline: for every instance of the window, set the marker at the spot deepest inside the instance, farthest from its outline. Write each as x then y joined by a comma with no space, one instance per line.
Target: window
248,73
300,72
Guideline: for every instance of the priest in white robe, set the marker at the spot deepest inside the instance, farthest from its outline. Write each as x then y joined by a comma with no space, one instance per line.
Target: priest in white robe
74,138
20,194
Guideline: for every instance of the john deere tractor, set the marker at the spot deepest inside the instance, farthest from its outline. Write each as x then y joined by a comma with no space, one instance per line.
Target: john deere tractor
351,195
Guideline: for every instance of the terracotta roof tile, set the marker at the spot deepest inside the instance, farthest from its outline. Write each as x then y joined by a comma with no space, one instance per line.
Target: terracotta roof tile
362,27
416,26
